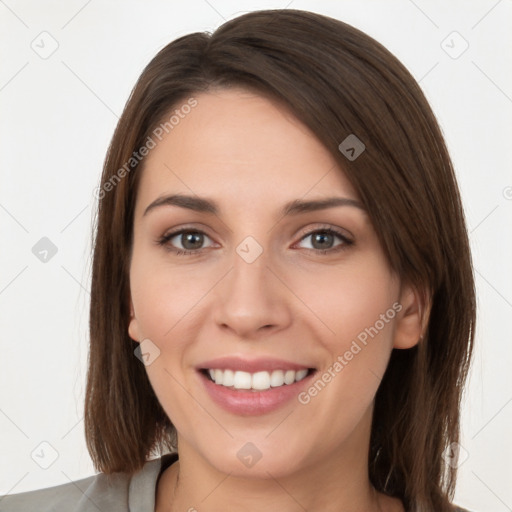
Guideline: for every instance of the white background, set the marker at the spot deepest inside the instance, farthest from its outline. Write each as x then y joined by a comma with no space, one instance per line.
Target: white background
57,117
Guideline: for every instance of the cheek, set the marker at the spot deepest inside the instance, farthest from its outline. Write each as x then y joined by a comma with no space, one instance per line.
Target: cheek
357,306
164,301
349,301
356,355
164,296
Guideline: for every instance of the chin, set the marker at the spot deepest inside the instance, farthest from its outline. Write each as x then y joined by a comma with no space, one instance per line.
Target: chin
255,457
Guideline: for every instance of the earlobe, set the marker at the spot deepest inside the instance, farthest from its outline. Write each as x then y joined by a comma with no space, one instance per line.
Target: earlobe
412,319
133,329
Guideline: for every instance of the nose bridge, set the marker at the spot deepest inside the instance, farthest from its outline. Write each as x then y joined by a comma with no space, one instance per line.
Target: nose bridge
251,296
250,266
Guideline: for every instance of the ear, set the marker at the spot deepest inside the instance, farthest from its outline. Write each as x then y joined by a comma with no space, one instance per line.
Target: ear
412,319
133,326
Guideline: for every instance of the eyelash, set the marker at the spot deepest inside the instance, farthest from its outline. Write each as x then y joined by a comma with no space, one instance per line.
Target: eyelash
164,241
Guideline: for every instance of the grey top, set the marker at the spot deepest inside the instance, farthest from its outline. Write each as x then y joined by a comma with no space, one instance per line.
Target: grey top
98,493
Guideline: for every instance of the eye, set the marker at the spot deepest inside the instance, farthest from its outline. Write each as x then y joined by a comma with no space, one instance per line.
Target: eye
322,240
191,240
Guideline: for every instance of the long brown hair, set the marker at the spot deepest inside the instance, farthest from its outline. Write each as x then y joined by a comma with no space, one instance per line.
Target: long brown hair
338,81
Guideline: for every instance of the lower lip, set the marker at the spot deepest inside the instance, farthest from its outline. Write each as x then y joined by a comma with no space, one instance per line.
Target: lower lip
253,403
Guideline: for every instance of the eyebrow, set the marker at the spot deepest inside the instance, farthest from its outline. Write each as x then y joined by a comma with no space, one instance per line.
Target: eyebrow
294,207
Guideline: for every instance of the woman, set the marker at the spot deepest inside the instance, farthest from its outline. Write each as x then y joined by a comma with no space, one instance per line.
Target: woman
282,297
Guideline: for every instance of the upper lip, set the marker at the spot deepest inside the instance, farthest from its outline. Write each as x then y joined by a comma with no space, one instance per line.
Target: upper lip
251,365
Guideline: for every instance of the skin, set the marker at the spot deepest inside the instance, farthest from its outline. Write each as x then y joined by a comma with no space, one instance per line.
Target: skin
252,156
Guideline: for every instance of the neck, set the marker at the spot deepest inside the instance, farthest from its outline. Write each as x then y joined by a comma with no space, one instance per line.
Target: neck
211,491
331,482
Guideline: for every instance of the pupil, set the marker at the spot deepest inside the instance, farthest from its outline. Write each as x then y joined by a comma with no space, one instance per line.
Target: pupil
321,237
190,238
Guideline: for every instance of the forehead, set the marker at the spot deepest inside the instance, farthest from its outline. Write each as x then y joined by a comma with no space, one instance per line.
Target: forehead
240,146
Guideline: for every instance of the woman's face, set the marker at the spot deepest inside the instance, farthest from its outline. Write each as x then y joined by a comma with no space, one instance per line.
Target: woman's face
262,292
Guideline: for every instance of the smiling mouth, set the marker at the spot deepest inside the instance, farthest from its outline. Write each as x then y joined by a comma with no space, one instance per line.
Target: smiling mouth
257,381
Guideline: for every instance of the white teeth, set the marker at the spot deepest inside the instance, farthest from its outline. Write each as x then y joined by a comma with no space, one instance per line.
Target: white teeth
289,377
277,378
259,381
228,378
300,374
242,380
218,376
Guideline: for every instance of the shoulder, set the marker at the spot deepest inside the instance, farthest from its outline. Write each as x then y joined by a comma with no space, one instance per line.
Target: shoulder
115,492
92,493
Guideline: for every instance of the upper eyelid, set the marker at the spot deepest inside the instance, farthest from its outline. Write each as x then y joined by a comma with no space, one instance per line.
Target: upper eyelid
326,227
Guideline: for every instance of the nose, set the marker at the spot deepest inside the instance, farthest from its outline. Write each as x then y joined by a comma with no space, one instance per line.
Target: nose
252,300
